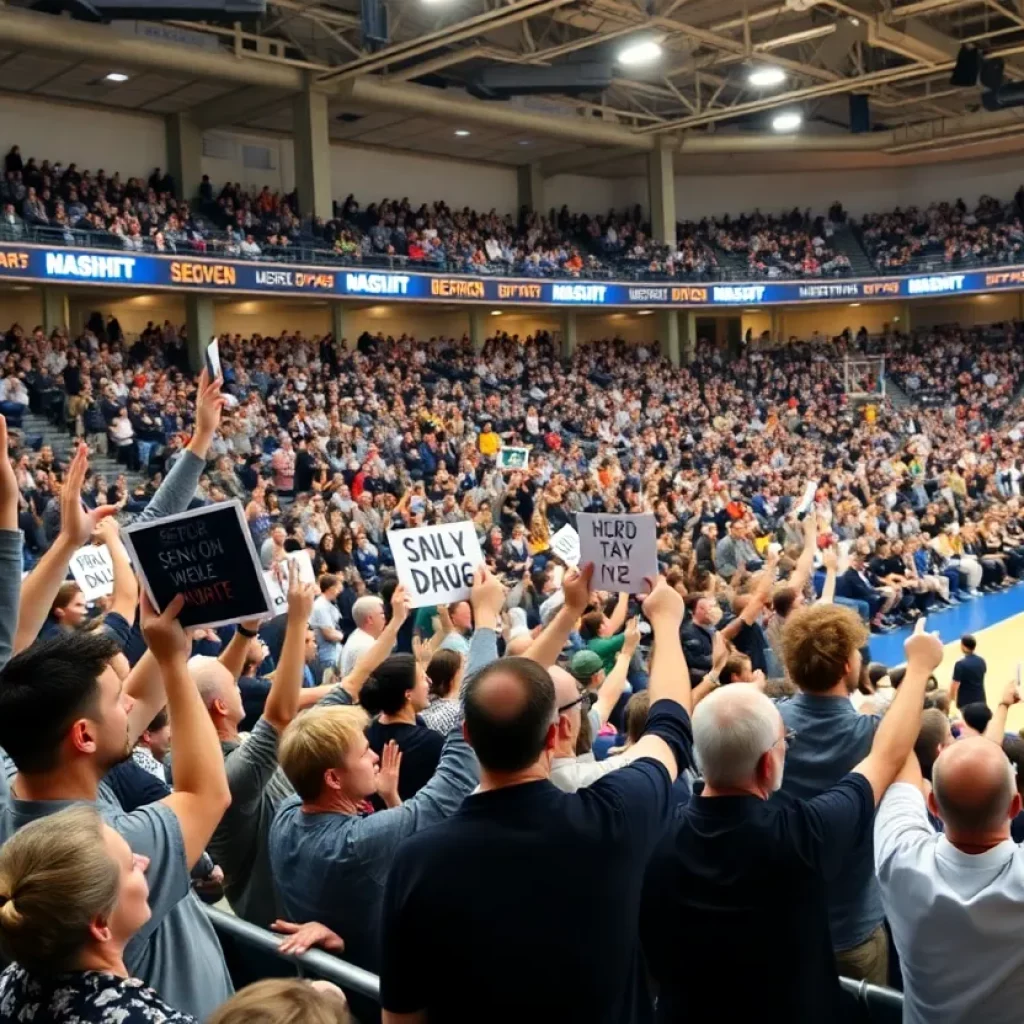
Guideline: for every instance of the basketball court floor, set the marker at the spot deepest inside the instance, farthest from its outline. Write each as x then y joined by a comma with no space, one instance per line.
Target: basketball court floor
996,620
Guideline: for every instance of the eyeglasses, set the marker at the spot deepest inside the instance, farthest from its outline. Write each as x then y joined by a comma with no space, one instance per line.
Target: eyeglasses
786,738
586,698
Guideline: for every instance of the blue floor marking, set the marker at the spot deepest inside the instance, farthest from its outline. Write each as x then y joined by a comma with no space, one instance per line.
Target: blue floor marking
969,617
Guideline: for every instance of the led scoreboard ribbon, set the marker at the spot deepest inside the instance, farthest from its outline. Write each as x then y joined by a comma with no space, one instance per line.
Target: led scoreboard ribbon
147,271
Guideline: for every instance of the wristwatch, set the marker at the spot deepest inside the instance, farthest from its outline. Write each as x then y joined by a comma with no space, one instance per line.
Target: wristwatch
712,677
249,634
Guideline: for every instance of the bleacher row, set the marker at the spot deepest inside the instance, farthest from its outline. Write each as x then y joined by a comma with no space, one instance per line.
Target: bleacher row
55,204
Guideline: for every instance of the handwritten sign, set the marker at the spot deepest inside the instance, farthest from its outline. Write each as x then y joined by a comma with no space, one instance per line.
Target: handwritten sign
513,458
206,554
624,550
93,571
566,544
808,497
436,563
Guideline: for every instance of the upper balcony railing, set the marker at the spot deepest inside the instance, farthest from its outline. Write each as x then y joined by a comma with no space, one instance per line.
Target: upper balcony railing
310,251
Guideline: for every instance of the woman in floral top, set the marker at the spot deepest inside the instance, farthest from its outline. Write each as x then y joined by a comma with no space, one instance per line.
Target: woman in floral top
72,895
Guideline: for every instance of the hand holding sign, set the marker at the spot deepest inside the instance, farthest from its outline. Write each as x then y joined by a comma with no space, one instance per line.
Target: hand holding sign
576,588
400,605
487,597
209,405
164,634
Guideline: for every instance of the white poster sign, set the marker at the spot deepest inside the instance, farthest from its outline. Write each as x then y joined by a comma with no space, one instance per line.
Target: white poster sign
513,458
808,497
436,563
305,564
213,359
566,544
624,550
93,571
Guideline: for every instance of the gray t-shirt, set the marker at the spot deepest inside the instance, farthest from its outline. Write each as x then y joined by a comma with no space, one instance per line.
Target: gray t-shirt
239,845
176,952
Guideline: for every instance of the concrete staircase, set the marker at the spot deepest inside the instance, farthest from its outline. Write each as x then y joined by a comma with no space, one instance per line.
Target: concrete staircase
896,395
63,443
845,241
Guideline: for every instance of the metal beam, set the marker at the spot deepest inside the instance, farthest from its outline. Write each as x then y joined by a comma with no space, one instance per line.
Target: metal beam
513,13
236,107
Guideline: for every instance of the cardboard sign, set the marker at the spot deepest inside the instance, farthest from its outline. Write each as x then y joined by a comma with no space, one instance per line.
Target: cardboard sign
566,544
624,550
305,564
436,563
276,589
93,571
206,554
513,458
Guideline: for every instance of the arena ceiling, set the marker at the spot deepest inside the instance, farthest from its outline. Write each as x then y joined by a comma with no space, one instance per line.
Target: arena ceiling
415,86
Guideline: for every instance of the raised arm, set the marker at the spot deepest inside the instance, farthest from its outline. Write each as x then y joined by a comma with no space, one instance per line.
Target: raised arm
898,731
180,485
805,563
546,648
831,562
997,726
76,527
374,656
10,550
617,619
670,678
615,682
755,601
201,793
125,598
233,655
282,703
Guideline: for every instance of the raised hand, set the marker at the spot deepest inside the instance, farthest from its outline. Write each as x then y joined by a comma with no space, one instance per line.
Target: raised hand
387,774
719,652
632,640
923,650
830,559
9,492
1011,694
663,606
576,587
76,522
400,605
164,634
209,405
488,594
300,595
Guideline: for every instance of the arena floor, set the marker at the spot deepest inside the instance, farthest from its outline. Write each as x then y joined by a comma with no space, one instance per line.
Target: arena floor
997,620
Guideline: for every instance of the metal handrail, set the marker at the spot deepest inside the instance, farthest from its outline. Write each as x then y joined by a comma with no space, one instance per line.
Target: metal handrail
322,965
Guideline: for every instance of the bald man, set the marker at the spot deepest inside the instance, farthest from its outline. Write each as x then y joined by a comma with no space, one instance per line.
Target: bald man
955,901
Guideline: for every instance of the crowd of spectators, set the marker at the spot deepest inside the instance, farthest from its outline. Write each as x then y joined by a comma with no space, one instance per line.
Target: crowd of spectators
946,235
379,782
793,245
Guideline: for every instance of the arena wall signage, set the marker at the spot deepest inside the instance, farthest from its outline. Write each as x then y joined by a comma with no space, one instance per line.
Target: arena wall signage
149,271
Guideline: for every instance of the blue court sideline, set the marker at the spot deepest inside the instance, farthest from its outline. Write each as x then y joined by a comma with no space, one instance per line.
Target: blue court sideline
970,617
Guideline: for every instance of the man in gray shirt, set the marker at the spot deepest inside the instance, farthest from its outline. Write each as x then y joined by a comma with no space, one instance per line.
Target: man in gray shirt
735,551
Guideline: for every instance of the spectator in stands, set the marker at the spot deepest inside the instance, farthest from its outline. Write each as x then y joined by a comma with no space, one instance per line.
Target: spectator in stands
442,881
73,895
738,858
822,652
445,673
326,621
369,618
955,945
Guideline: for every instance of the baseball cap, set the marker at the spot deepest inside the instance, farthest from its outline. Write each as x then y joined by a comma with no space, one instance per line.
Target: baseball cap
584,664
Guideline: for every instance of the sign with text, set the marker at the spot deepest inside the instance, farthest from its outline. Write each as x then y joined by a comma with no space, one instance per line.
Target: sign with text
207,555
566,544
513,458
213,359
93,571
436,563
624,550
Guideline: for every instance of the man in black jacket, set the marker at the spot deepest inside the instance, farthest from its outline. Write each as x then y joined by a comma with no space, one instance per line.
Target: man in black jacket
697,635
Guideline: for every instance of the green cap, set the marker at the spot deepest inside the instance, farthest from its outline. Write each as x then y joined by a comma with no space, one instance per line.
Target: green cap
584,664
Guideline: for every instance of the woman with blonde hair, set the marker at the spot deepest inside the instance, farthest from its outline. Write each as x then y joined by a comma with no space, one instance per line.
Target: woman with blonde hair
285,1001
72,896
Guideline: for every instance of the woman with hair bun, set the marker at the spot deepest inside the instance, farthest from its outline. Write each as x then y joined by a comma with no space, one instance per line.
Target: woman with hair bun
395,695
72,895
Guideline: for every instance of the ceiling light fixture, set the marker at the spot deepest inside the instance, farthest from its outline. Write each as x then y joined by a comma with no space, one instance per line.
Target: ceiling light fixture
645,51
645,312
461,132
788,121
495,312
117,76
764,77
